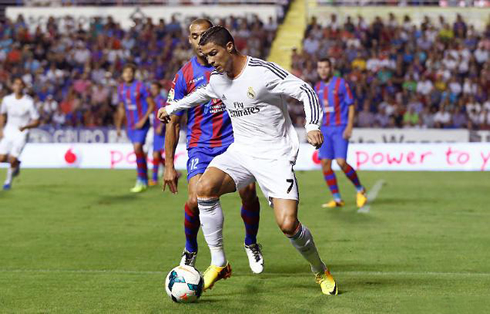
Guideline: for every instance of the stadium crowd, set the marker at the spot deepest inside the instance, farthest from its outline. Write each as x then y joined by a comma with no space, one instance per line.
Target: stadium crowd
73,73
433,75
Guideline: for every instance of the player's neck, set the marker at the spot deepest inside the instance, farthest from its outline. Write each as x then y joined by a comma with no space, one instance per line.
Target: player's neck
239,62
19,96
129,82
328,79
202,60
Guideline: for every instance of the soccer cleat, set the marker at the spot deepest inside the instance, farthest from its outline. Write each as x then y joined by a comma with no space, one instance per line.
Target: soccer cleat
215,273
152,183
139,187
255,258
327,283
361,198
188,258
333,204
6,186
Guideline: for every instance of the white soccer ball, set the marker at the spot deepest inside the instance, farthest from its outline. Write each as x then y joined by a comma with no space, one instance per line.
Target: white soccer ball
184,284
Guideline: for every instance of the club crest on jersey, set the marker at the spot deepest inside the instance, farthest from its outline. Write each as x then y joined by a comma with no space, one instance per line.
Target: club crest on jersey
251,93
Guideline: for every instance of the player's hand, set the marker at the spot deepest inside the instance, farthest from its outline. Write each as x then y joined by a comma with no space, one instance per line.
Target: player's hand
118,132
347,133
163,115
140,124
22,129
171,178
315,138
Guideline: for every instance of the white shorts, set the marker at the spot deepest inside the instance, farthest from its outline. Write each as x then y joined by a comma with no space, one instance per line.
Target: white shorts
275,176
12,145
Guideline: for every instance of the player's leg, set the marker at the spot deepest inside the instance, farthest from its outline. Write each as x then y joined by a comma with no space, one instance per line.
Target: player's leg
12,172
210,187
250,213
158,143
191,223
138,138
326,155
341,146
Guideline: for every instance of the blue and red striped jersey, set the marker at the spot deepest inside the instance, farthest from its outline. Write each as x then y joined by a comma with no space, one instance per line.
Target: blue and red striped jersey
133,96
208,125
160,102
335,98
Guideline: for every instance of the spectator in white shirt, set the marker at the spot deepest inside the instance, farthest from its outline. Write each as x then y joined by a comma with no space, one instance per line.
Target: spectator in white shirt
442,118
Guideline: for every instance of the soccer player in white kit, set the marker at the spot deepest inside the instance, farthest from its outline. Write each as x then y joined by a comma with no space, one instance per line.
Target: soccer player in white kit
21,115
265,147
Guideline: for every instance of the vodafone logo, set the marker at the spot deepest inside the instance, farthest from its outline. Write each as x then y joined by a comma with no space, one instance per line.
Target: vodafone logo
72,157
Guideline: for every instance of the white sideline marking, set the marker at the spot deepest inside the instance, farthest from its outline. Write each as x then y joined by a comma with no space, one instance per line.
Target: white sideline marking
371,196
354,273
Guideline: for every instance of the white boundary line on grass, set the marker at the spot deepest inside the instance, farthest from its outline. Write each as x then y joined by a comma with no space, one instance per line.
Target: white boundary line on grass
371,196
354,273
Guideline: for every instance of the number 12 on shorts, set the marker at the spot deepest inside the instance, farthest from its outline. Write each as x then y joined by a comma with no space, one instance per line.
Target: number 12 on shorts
194,163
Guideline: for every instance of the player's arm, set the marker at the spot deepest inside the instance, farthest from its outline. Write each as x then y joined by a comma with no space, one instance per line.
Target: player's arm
171,140
119,117
199,96
3,118
32,124
348,101
282,82
34,116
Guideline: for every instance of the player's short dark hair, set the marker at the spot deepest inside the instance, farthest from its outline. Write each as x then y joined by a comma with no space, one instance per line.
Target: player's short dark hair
218,35
131,66
18,78
202,21
326,60
157,83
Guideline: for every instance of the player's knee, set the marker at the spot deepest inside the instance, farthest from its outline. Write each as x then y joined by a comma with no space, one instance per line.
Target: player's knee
248,194
206,188
289,225
192,203
3,158
342,163
327,164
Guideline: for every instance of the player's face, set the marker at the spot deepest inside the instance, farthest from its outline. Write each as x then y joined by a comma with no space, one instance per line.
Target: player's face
128,75
324,70
195,33
17,86
217,56
154,90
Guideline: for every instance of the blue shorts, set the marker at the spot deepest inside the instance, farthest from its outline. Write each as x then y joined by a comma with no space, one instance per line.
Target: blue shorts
334,145
199,159
138,135
158,142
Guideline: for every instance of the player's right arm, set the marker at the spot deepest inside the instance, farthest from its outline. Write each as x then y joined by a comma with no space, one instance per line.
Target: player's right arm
199,96
172,132
3,117
120,117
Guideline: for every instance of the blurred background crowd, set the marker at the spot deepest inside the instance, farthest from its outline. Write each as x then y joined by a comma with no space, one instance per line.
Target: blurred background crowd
433,75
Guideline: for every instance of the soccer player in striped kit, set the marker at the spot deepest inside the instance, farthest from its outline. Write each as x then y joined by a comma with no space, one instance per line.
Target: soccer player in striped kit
209,133
136,104
158,132
338,119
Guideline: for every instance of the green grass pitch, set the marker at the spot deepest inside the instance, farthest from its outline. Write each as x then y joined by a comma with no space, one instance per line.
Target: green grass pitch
76,241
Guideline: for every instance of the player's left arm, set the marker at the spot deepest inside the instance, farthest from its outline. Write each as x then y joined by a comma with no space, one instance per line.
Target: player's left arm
282,82
35,118
349,101
151,107
3,118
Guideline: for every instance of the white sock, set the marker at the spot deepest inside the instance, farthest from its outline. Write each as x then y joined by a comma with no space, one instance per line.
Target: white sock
303,242
10,171
212,220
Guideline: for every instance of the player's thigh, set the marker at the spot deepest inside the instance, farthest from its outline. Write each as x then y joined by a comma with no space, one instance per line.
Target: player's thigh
326,164
230,170
17,147
276,178
5,147
286,214
326,151
214,183
158,143
340,144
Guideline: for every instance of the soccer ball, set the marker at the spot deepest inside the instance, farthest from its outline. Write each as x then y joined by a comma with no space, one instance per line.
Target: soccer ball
184,284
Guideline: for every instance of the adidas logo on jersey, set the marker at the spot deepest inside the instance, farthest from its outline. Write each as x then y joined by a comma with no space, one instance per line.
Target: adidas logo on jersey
223,97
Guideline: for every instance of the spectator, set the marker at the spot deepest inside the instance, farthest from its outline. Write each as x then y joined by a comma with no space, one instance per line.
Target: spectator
442,119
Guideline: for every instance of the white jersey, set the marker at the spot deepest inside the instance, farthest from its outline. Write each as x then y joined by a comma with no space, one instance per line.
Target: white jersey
255,101
19,113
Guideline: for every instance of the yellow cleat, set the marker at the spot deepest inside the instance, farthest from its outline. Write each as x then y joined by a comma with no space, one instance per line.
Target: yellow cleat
139,187
361,199
333,204
152,183
215,273
327,283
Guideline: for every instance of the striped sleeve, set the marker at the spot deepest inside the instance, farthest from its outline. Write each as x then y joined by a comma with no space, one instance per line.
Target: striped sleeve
282,82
